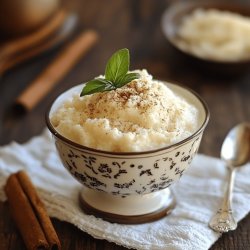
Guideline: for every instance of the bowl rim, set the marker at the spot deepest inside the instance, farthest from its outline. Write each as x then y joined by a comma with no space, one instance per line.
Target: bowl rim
128,153
176,7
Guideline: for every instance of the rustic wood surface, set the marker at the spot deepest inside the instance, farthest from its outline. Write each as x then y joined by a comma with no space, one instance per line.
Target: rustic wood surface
134,24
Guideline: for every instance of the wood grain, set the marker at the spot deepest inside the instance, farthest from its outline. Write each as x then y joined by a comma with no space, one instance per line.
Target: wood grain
134,24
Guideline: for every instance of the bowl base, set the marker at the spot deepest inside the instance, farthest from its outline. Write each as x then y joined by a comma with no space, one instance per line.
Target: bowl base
132,209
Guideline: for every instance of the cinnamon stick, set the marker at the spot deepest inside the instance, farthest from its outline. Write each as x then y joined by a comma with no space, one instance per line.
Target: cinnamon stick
29,213
59,67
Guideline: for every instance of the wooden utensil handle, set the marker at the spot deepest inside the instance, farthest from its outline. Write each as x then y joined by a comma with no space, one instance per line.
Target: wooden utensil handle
46,46
34,38
57,70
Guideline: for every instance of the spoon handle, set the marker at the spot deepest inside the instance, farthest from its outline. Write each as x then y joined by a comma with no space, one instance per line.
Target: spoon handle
223,220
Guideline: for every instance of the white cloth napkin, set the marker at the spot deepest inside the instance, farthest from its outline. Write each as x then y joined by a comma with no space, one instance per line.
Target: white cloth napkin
198,195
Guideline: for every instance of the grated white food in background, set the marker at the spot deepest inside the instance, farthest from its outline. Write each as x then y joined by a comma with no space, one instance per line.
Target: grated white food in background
143,115
215,34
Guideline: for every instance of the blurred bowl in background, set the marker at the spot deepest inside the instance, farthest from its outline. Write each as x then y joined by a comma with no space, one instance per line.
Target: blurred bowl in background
174,17
21,16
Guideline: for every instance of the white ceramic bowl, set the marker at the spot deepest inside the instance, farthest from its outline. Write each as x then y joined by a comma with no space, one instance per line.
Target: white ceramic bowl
128,187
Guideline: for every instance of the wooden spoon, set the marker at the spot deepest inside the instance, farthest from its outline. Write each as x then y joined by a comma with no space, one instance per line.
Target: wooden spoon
64,32
23,43
23,16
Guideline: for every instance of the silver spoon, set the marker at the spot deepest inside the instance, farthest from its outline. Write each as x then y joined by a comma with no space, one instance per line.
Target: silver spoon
235,152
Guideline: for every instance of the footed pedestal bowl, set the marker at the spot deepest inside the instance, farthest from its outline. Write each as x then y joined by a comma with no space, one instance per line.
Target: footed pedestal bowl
128,187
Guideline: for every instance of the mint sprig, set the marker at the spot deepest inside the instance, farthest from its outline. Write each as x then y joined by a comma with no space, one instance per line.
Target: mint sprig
116,75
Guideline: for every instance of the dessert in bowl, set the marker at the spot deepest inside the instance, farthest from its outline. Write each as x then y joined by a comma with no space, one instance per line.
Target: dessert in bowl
128,145
212,34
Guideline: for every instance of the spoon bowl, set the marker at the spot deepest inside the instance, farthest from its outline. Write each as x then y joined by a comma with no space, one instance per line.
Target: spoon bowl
236,146
20,17
235,152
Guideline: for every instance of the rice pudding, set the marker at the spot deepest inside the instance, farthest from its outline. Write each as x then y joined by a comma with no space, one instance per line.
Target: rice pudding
143,115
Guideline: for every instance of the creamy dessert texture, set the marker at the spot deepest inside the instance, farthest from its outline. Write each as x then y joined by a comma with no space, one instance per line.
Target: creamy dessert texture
215,34
142,115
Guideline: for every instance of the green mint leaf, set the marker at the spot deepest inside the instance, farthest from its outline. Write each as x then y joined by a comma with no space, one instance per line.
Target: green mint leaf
97,85
116,75
117,66
126,79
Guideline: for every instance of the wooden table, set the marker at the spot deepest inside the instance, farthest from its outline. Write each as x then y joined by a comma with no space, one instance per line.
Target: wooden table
134,24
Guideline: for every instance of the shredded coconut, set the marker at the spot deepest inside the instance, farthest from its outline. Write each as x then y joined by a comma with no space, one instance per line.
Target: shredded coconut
142,115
